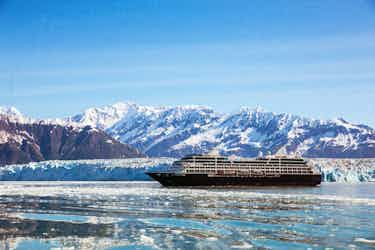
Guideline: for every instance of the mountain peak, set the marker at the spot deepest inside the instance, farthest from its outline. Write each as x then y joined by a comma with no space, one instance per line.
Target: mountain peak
124,105
10,110
13,114
256,109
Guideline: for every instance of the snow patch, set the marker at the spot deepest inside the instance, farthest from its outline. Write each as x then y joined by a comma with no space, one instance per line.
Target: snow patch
6,137
208,136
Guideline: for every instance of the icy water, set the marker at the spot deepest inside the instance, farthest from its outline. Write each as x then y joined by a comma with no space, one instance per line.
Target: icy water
144,215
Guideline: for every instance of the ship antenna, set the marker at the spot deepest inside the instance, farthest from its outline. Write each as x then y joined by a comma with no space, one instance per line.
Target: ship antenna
260,154
204,149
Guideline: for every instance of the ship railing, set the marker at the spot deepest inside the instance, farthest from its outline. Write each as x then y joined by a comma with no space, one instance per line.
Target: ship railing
246,173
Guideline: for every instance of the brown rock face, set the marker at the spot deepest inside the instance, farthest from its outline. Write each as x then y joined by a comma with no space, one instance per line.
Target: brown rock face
22,143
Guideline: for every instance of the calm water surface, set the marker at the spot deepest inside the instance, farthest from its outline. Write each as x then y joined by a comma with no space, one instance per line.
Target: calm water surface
144,215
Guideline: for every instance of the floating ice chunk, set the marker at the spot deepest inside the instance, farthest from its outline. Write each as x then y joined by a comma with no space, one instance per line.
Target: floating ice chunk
147,240
363,240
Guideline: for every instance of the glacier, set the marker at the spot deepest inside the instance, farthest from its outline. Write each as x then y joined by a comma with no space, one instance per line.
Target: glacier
333,170
131,169
345,170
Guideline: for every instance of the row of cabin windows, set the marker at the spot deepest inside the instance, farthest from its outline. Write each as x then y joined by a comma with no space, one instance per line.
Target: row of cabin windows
247,160
251,170
249,167
236,163
272,172
276,170
244,166
250,162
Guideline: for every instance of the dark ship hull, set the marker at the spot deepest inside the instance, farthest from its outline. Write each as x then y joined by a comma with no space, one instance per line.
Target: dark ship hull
189,180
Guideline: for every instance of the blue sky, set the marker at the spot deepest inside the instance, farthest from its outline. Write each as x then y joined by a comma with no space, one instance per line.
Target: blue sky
312,58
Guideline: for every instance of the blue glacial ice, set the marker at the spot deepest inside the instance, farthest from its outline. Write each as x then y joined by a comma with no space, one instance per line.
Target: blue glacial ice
333,170
345,170
85,170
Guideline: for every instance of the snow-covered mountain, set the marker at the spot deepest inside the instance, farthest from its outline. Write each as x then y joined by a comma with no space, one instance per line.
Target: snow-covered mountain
12,114
176,131
23,140
101,118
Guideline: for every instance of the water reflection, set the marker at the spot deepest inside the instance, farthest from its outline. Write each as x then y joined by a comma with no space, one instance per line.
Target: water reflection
144,215
16,227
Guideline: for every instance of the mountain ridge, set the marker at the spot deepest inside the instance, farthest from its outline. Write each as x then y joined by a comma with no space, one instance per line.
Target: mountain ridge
174,131
25,140
178,130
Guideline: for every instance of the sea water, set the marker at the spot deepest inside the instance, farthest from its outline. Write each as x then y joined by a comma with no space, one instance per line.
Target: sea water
145,215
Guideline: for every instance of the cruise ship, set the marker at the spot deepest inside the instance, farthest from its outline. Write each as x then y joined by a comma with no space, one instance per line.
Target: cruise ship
216,170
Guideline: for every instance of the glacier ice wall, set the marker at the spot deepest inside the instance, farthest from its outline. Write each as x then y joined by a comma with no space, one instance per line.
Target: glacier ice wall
333,170
85,170
345,170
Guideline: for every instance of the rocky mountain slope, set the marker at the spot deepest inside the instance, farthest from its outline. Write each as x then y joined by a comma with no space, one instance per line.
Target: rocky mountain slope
176,131
24,140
